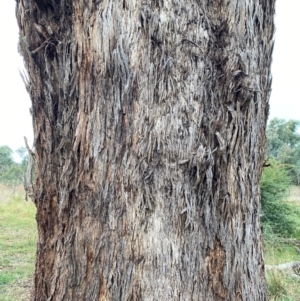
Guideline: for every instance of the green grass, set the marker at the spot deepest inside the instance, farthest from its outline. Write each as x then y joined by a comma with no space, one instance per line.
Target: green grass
282,285
17,244
279,249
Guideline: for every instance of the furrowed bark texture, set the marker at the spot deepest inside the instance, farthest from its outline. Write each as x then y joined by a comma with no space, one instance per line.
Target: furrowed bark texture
149,121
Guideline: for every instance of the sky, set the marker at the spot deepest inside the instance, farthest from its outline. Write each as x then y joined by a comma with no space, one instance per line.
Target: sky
15,119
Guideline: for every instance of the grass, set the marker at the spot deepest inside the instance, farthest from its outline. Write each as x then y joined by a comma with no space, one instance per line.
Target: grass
17,244
282,285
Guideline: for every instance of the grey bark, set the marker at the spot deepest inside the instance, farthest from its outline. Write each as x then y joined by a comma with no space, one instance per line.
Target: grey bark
149,121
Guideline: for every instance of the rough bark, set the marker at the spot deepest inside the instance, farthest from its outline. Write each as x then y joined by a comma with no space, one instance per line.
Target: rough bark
149,121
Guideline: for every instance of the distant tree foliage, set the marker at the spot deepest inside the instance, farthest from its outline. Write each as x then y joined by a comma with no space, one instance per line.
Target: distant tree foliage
275,183
12,172
6,158
283,144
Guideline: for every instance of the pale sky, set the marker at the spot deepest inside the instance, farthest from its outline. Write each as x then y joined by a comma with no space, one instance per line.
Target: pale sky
15,119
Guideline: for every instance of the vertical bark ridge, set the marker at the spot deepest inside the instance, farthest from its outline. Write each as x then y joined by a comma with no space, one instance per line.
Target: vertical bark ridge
149,122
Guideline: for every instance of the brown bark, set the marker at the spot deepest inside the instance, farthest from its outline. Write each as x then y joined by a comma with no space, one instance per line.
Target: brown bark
149,121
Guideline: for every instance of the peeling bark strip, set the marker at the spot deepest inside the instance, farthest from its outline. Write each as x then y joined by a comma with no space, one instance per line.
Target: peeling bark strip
149,121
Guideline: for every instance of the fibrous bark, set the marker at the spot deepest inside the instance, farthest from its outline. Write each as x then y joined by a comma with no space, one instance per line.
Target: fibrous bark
149,121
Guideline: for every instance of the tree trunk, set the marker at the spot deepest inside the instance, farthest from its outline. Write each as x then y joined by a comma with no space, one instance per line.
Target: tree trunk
149,129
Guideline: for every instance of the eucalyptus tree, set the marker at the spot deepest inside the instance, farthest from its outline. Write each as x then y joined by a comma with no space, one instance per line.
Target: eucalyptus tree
11,172
283,144
6,158
149,123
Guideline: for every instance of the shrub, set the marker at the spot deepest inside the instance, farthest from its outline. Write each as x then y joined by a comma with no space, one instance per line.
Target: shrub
275,183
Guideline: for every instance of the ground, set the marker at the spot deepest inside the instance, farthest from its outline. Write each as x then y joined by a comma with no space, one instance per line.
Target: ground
17,244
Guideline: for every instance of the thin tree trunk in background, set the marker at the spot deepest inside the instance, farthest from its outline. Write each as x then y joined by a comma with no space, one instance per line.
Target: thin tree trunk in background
149,121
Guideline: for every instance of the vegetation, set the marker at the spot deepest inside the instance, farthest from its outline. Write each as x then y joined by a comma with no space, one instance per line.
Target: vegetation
279,249
11,172
283,145
17,244
278,216
281,207
282,287
275,183
282,246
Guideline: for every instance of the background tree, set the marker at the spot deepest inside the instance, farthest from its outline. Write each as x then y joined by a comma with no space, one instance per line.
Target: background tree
6,158
11,172
275,184
23,155
149,123
283,144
